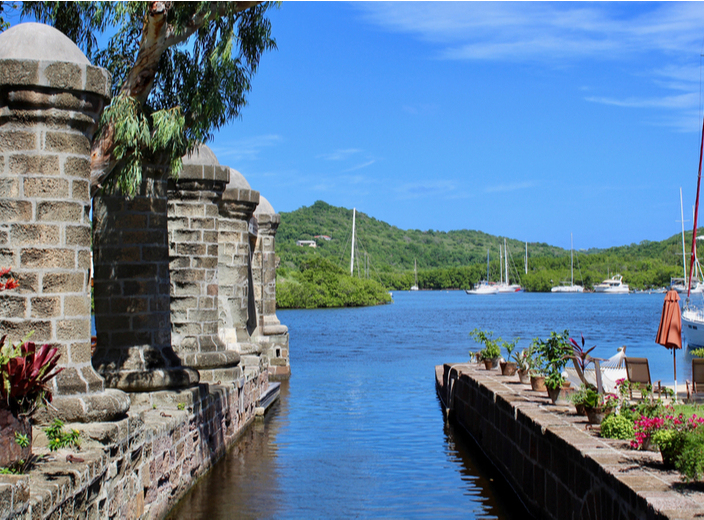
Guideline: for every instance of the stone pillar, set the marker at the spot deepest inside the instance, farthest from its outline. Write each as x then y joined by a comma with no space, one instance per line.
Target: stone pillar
50,101
270,333
193,250
234,267
131,290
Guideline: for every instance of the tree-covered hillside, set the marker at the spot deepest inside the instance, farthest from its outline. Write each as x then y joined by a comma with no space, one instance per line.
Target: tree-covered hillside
457,259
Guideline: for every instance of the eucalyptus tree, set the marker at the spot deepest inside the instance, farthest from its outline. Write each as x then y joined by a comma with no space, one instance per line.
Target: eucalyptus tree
180,71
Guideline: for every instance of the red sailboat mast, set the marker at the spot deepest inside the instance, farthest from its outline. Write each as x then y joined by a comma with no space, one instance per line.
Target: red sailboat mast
696,215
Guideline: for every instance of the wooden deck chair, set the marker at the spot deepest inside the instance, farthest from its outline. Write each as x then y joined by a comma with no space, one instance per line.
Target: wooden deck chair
697,382
638,371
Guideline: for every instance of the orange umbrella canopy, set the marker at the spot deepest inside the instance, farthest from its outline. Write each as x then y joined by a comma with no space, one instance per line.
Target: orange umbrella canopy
670,329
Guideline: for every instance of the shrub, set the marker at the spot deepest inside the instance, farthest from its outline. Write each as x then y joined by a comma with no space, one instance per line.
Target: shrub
690,461
616,426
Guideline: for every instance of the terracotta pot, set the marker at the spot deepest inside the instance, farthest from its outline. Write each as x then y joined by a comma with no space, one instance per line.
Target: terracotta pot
596,415
581,409
524,376
508,368
490,364
560,396
10,451
537,383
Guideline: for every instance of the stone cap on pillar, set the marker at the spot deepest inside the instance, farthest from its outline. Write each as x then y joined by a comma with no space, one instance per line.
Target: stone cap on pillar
35,54
239,190
202,165
267,219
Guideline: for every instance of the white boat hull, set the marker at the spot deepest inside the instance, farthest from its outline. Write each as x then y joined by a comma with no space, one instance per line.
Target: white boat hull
568,289
504,288
693,327
483,289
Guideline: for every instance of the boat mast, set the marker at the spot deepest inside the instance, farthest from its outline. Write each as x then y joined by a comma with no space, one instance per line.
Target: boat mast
572,260
354,218
684,257
501,266
526,257
696,215
487,265
506,260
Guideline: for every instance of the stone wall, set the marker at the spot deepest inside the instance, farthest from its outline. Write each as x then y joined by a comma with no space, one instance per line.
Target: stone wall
559,468
138,467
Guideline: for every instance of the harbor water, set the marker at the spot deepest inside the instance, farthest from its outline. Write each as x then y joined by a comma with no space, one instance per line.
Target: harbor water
358,431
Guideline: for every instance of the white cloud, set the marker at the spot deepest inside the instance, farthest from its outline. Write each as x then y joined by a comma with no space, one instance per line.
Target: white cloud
360,166
339,155
515,186
246,149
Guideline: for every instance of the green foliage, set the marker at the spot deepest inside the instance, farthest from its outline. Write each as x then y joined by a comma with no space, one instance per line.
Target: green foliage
22,439
690,460
58,438
553,355
697,352
322,284
616,426
202,79
491,349
181,406
457,259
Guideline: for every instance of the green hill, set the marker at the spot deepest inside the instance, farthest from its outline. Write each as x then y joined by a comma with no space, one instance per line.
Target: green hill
457,259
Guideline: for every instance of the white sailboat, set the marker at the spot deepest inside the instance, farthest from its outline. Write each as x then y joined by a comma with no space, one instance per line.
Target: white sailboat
414,287
484,287
504,286
571,288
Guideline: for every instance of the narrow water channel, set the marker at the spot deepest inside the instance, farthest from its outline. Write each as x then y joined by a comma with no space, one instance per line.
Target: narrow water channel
358,431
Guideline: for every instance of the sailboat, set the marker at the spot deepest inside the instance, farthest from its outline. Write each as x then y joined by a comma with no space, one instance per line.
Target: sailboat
571,288
504,285
484,287
414,287
693,315
680,284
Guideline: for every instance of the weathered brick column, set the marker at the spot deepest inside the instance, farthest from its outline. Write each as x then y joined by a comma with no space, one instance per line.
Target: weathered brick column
236,298
270,333
193,249
131,290
50,101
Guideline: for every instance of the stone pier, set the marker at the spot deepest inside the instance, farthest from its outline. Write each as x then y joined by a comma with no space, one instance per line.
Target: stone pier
193,249
270,333
50,101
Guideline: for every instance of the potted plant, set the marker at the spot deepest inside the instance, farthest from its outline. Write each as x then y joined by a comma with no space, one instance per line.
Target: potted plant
598,406
25,371
579,399
509,367
554,354
491,352
524,362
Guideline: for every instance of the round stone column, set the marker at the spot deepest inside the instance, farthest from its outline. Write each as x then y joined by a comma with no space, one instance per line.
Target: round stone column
131,290
50,102
270,333
236,299
193,251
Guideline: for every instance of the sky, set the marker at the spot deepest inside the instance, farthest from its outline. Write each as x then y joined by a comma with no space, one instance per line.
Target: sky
526,120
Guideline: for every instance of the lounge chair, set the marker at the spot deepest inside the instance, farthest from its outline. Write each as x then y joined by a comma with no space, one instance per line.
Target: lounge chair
638,371
697,382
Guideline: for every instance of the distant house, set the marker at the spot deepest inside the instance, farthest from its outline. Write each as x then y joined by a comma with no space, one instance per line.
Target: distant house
303,243
324,237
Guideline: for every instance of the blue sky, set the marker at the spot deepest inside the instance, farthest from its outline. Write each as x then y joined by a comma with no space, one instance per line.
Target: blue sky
526,120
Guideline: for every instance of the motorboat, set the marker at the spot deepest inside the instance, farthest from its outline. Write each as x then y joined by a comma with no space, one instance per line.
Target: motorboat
613,285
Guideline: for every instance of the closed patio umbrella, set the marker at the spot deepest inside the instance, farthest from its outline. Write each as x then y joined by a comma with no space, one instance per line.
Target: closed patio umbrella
670,329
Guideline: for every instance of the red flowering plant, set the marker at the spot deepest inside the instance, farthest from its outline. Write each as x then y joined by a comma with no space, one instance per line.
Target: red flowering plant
25,369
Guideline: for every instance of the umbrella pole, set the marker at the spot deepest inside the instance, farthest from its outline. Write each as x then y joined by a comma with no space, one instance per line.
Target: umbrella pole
674,362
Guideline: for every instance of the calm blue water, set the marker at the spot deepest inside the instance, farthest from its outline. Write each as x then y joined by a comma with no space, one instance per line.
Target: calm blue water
358,432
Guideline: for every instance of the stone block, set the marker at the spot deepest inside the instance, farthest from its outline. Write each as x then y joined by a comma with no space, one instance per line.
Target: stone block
18,140
15,211
63,282
45,188
80,190
77,167
36,234
76,305
48,258
46,307
16,330
9,187
58,211
34,164
12,306
67,142
73,329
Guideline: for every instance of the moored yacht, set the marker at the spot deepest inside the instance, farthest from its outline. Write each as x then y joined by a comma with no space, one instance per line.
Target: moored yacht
483,287
613,285
571,288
